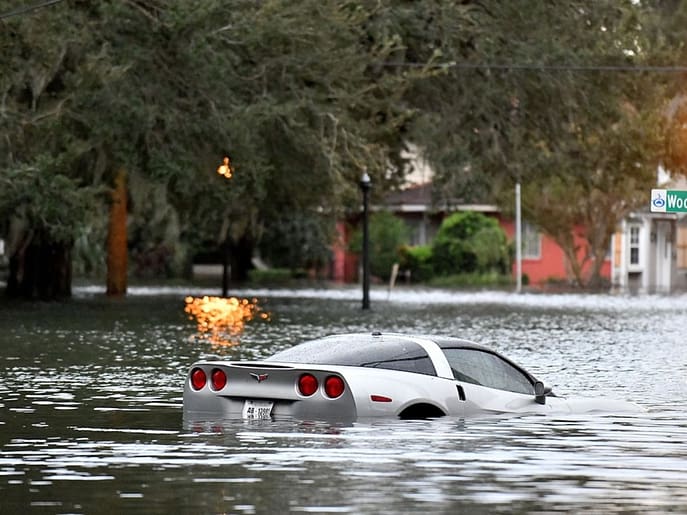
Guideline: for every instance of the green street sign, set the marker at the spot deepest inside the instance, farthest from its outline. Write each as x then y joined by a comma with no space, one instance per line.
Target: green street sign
668,201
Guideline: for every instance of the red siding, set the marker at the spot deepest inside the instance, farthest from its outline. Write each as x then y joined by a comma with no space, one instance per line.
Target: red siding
344,263
551,264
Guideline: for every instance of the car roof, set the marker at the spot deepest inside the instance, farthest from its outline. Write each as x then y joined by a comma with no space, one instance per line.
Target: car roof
359,349
451,342
436,354
363,350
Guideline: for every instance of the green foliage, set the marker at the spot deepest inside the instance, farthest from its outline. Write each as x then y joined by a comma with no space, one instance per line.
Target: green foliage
596,133
88,254
43,204
294,92
271,277
470,242
418,261
387,236
304,95
298,240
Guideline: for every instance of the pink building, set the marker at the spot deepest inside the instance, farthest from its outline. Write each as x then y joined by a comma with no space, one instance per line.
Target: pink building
543,261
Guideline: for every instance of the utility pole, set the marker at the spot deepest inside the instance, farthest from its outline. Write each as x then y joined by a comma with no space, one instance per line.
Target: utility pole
365,186
518,241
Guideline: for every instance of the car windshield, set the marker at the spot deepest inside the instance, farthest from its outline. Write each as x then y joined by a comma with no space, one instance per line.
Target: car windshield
360,351
487,369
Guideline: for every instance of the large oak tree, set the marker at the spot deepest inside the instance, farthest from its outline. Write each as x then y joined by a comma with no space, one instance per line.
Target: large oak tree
303,96
551,96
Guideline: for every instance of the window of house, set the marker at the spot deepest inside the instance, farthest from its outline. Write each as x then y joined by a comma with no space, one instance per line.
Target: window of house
417,232
682,247
634,245
531,241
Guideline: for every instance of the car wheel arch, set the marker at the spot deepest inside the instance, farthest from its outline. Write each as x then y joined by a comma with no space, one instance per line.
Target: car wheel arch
421,410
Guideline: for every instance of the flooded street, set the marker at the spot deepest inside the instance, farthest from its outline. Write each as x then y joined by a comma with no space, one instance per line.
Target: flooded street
91,418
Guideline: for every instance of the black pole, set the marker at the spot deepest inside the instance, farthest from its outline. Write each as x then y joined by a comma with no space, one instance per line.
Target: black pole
225,268
365,187
226,171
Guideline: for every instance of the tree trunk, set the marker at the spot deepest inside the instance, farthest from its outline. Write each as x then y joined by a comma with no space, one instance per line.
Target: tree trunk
117,252
596,281
241,258
41,270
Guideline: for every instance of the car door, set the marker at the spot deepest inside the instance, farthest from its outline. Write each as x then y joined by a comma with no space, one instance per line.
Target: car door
490,383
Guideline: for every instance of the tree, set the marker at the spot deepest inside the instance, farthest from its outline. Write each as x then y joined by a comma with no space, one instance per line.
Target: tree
523,102
43,207
303,96
44,195
296,242
388,234
667,29
314,107
117,258
581,211
163,90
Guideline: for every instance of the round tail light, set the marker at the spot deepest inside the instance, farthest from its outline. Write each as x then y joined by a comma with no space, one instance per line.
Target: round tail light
218,378
307,384
198,378
333,386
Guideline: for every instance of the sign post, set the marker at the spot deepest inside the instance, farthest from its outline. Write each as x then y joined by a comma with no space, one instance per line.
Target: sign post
668,201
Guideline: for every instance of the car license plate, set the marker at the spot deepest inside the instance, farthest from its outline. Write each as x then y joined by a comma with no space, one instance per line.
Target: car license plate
257,409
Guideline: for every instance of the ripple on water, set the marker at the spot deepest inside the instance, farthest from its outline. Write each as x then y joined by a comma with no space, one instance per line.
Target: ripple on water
91,392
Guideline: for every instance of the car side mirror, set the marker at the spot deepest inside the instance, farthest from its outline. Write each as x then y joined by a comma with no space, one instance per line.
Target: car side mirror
539,393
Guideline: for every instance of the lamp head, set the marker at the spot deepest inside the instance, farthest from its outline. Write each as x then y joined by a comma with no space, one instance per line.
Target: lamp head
365,181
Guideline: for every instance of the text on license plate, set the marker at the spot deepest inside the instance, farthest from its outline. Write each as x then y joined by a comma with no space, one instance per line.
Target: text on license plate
257,409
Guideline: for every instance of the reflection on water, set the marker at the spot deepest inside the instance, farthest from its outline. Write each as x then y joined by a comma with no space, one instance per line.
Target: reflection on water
90,411
221,320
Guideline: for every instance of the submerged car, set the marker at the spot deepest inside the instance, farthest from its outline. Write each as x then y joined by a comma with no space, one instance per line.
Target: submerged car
351,376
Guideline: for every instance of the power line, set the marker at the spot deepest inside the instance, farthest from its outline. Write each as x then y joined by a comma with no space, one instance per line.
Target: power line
544,67
28,8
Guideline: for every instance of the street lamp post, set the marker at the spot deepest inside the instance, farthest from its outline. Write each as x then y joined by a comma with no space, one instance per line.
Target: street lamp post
226,171
365,185
225,266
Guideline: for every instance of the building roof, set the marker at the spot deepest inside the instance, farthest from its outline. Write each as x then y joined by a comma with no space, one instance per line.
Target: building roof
419,198
416,194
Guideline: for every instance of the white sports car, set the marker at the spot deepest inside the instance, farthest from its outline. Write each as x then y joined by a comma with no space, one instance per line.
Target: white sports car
352,376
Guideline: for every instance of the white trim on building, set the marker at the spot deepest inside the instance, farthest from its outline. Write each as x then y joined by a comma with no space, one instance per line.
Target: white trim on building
645,253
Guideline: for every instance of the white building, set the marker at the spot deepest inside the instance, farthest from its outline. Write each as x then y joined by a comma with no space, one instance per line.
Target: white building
649,251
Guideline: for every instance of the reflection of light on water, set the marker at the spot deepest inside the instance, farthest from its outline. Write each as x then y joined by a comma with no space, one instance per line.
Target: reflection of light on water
219,319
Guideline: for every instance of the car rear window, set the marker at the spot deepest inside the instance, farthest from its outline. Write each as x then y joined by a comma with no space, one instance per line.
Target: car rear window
361,351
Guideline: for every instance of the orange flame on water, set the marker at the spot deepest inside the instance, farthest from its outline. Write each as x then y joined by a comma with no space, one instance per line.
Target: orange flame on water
219,319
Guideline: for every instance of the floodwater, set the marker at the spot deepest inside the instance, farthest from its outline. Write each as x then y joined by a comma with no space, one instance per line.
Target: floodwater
91,418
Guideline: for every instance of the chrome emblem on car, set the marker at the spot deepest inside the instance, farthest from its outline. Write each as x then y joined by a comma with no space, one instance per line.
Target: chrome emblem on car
259,377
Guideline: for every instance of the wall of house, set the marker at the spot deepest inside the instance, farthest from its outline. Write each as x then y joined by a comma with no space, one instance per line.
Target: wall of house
551,265
344,266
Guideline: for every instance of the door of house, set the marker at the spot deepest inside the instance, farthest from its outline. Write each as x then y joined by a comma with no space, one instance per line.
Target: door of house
663,256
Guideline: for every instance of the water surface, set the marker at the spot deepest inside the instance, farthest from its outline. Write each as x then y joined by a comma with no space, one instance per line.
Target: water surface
90,410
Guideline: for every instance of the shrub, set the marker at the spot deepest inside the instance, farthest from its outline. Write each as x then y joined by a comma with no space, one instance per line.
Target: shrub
470,242
418,261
